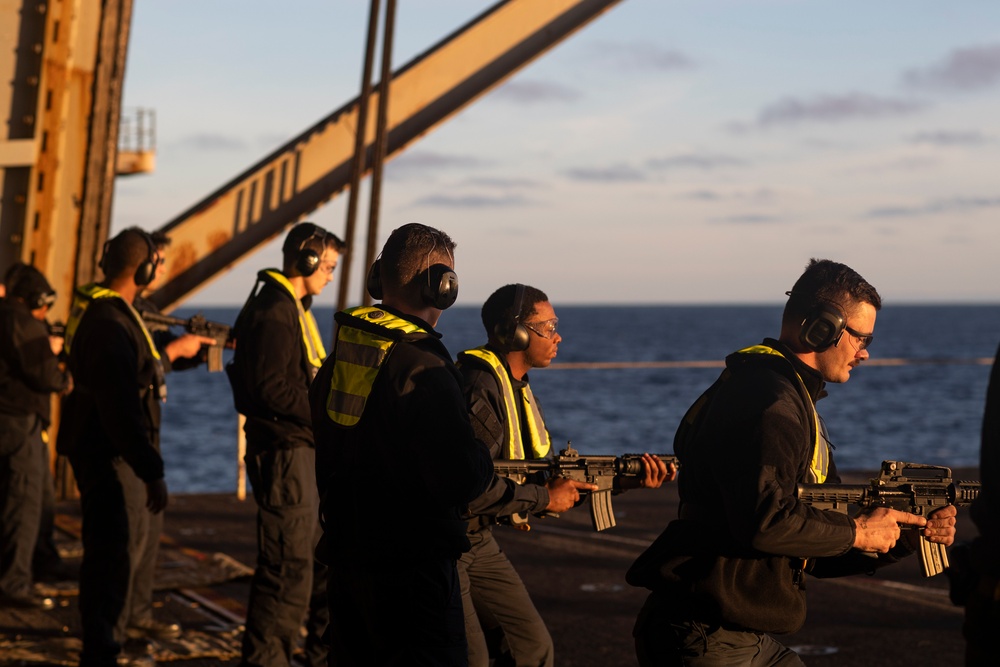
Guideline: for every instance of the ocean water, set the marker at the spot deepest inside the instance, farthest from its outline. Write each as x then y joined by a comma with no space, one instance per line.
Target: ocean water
925,408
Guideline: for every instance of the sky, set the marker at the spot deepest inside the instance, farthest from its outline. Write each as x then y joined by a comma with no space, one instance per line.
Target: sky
670,152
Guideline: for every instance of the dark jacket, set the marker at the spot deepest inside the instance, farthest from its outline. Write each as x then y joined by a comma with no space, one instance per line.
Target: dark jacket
29,372
398,481
985,511
488,413
270,374
736,556
114,409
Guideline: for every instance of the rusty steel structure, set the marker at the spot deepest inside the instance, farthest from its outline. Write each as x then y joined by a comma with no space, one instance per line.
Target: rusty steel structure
62,69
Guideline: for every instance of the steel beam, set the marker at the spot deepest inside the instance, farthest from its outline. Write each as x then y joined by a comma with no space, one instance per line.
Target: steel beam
313,167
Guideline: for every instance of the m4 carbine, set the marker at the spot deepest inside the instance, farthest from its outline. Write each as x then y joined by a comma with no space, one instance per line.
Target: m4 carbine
198,325
909,487
607,472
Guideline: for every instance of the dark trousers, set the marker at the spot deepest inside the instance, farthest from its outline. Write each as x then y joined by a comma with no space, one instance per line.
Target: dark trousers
494,595
662,640
20,500
289,584
982,622
394,609
46,555
119,536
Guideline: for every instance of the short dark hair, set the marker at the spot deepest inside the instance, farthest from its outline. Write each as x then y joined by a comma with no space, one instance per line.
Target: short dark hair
308,236
126,251
410,251
502,307
830,282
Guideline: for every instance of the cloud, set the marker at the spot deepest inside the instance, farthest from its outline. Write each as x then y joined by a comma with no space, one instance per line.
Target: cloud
472,201
422,163
704,161
759,195
502,183
641,56
935,207
835,109
620,173
536,92
952,138
973,68
746,219
211,142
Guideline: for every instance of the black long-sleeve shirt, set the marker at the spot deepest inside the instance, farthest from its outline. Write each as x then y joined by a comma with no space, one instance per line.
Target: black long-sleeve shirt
29,372
114,408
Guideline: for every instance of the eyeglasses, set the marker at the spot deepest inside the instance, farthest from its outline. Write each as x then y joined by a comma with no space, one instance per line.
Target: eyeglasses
864,340
545,329
328,267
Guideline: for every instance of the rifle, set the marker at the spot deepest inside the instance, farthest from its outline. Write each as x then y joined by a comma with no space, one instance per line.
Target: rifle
604,471
198,325
910,487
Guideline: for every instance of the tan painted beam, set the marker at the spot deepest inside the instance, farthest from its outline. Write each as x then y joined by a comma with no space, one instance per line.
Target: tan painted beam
313,167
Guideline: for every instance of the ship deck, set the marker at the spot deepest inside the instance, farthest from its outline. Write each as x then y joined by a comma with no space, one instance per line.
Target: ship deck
575,577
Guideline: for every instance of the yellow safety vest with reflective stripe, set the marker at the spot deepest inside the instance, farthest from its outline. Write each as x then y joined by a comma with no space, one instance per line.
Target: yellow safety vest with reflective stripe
87,294
359,355
820,464
312,342
540,442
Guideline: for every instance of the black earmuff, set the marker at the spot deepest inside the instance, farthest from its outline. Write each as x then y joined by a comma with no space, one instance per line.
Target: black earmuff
512,335
822,327
146,271
39,299
374,281
441,287
307,260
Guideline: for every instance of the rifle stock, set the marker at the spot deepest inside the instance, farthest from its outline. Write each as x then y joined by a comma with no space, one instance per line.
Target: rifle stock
910,487
600,470
197,324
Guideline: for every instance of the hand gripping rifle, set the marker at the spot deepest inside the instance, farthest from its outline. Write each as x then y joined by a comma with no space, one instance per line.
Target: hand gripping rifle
909,487
606,472
198,325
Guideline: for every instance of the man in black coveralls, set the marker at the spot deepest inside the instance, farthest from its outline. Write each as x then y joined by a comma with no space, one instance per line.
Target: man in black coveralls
522,332
278,351
730,571
109,431
396,462
982,607
29,374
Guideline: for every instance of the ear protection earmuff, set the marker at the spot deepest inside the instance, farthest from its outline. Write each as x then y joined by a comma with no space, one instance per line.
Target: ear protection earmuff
307,260
512,335
822,327
39,299
373,283
440,289
146,271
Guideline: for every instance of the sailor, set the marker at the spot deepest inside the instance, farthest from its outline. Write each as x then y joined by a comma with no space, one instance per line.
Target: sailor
396,462
109,431
522,332
278,351
29,374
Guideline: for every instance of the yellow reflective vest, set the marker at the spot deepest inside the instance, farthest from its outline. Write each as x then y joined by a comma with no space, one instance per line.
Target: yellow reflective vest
539,443
312,342
359,356
85,295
